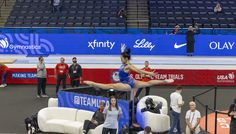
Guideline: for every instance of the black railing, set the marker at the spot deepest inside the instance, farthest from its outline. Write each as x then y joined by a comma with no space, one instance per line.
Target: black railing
2,3
207,108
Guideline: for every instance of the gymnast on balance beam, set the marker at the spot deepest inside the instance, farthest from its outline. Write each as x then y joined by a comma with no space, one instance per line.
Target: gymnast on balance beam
128,83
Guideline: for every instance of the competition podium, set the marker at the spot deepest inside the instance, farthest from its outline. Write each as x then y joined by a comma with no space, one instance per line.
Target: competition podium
88,98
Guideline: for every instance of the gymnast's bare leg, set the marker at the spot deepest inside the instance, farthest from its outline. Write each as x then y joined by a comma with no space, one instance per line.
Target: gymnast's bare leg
115,86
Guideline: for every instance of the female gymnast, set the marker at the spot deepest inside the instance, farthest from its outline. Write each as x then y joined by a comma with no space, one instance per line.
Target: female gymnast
126,82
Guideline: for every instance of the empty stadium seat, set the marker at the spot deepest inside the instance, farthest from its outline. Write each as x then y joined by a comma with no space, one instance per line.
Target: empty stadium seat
186,12
38,13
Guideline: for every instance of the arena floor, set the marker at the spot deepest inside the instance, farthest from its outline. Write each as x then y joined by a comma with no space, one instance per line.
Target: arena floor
19,101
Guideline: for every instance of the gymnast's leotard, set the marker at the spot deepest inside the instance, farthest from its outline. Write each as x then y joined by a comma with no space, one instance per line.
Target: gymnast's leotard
124,76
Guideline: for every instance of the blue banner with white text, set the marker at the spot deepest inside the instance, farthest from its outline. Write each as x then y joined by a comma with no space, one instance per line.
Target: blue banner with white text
23,75
109,44
91,103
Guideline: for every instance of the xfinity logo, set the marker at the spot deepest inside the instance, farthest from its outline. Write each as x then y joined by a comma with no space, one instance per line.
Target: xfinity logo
4,43
221,46
99,44
176,46
143,44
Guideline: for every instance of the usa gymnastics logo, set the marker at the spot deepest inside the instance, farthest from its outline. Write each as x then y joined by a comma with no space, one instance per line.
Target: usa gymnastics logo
4,43
115,76
226,77
25,44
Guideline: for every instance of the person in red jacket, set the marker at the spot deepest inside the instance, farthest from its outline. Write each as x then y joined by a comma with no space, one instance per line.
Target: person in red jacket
61,72
4,71
145,78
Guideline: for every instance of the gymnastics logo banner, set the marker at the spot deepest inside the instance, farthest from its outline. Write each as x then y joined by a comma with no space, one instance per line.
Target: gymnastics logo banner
91,103
109,44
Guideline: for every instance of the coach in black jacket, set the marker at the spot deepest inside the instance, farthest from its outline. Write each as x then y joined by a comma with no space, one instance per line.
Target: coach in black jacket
97,119
190,41
75,73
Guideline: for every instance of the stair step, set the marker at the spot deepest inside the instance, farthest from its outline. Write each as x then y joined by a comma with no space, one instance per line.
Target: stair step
140,10
4,15
137,14
5,11
137,19
136,2
133,25
143,8
132,8
142,15
132,17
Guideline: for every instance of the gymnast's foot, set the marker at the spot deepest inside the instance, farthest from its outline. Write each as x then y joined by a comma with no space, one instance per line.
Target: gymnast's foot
169,80
90,83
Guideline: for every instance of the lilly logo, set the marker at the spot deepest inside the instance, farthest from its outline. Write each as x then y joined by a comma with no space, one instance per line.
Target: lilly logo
4,43
143,43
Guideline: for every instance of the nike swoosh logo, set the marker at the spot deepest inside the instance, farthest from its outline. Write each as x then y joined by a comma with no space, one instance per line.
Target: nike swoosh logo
180,45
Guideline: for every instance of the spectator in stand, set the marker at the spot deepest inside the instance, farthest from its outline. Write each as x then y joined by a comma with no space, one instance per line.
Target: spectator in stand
112,115
176,102
97,119
176,30
51,2
190,41
61,72
122,13
145,78
192,118
4,70
196,28
218,8
147,130
75,73
56,6
232,114
41,77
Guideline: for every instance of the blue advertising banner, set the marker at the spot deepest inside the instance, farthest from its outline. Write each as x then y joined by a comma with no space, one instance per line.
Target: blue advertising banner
109,44
91,103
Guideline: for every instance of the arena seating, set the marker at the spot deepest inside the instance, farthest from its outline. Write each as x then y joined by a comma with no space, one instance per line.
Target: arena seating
167,13
75,13
103,13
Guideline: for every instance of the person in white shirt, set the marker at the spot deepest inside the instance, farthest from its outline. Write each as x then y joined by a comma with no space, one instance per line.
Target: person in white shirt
112,115
192,118
147,130
56,5
176,102
218,8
